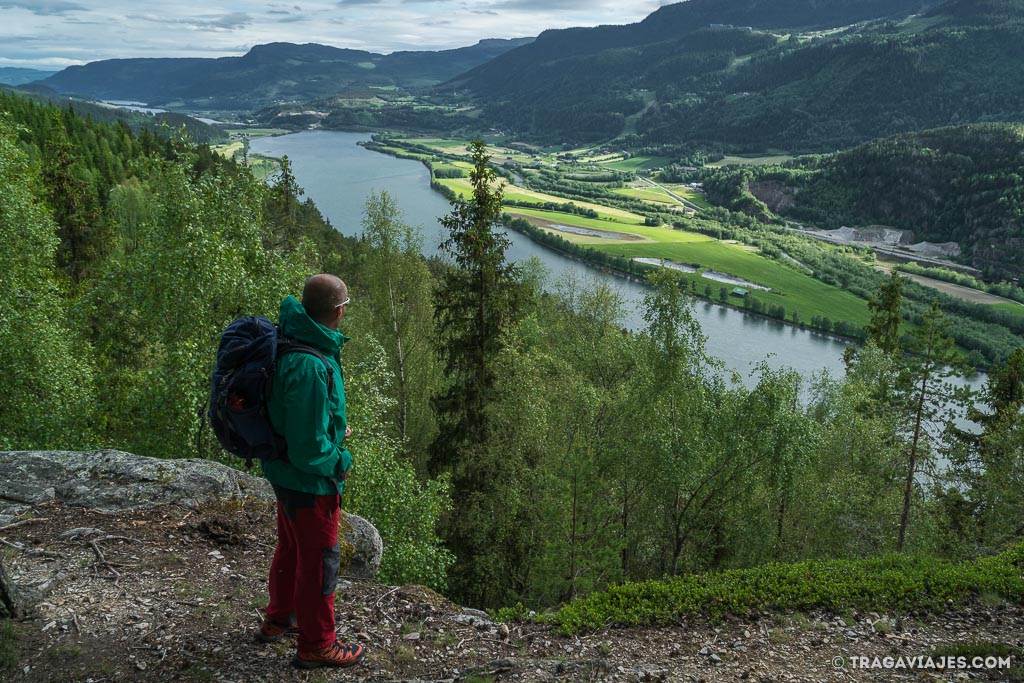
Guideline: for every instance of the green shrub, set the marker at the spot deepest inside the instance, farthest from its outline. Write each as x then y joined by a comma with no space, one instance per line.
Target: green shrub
8,645
892,582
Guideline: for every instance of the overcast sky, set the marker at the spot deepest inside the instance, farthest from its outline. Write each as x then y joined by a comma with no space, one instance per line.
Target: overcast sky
52,34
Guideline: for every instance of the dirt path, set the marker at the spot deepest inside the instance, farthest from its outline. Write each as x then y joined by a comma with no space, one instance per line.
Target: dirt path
966,293
173,594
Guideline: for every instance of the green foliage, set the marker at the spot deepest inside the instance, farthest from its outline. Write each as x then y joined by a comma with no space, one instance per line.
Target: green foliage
8,645
383,486
475,304
888,583
959,184
156,313
884,327
48,376
398,296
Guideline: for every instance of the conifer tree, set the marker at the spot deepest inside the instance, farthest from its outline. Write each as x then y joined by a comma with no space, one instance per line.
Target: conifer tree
83,237
283,207
476,304
884,327
923,393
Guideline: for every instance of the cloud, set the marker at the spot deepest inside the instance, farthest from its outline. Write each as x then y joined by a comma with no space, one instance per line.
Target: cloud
349,3
225,22
534,5
42,7
229,21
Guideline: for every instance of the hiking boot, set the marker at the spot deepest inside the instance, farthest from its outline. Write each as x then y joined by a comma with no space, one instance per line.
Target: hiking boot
338,654
271,631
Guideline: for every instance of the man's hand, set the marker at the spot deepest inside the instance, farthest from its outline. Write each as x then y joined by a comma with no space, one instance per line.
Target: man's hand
348,431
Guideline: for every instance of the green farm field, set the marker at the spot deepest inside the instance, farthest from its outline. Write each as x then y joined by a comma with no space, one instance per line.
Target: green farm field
731,160
649,194
791,289
228,150
520,194
258,132
402,152
460,148
541,217
638,163
690,194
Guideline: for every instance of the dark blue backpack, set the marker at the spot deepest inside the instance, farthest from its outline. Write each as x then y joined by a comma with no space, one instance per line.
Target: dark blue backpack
240,387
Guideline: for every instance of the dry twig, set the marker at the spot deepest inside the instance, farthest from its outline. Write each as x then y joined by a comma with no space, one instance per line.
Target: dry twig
23,522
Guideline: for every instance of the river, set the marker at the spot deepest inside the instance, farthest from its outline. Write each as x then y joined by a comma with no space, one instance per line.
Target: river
338,175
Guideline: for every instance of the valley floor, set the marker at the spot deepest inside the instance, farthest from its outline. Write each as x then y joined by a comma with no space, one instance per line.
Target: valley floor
175,594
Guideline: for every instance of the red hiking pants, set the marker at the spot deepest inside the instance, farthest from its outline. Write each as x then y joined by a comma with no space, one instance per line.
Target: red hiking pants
304,573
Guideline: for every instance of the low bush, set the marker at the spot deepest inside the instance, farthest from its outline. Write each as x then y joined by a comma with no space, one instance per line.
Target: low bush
892,582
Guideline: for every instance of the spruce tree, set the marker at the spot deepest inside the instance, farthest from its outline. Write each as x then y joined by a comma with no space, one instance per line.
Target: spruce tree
84,238
884,327
476,304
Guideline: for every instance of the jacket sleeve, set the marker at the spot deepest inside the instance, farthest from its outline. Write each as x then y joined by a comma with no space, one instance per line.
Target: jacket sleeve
307,420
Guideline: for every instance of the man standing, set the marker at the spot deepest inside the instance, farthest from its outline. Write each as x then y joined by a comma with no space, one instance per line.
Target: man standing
307,408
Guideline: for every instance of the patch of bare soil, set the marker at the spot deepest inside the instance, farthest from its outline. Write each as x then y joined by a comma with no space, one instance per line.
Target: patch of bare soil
966,293
598,233
173,594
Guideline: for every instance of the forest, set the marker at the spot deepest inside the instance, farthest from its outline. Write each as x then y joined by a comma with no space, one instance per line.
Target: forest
755,76
513,445
958,184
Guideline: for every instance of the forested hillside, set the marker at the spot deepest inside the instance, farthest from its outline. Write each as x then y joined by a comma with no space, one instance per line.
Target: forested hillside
161,123
15,76
267,74
751,76
512,443
960,184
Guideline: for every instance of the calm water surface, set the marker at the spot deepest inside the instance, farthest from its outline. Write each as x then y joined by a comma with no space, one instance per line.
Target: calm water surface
339,175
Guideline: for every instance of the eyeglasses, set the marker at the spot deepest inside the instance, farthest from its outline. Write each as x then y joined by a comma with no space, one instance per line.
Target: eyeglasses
343,303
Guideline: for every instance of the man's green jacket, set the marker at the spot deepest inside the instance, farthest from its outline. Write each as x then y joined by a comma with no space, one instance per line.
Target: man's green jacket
311,421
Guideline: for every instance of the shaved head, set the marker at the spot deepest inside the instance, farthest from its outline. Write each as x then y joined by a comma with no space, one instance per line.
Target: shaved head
322,296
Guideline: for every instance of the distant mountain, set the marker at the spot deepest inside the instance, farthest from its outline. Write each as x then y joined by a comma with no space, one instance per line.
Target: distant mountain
959,184
16,76
800,75
268,74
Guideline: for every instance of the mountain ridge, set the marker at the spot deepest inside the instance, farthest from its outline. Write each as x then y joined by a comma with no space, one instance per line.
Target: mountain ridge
268,73
892,68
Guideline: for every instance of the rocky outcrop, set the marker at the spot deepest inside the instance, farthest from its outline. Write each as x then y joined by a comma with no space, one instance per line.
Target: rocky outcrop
776,195
110,480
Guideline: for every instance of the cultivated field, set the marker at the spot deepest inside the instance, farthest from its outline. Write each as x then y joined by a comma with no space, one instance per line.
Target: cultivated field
521,194
737,160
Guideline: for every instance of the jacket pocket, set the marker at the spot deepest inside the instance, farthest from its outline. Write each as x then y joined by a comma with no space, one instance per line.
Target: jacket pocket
332,564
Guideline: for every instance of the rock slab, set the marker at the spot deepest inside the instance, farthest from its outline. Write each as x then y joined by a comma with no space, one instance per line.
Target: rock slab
109,481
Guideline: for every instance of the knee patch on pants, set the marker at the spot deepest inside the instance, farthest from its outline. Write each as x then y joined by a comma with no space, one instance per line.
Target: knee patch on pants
332,563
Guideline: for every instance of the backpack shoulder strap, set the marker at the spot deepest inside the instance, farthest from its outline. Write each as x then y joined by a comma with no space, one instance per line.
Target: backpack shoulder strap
286,345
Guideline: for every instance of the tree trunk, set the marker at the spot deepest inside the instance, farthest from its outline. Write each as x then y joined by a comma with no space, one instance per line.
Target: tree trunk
908,487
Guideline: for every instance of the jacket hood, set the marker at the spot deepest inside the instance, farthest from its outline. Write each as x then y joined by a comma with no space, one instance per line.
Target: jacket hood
294,322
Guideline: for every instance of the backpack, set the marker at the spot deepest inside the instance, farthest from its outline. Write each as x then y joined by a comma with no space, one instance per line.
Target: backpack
240,388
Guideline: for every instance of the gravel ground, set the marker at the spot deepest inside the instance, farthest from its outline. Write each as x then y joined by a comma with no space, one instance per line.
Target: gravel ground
174,594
